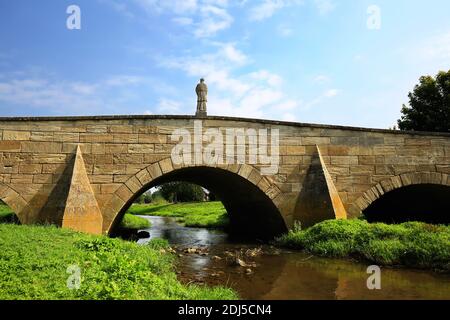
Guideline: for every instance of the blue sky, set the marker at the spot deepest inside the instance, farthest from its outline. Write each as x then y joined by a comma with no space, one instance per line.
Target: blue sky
311,61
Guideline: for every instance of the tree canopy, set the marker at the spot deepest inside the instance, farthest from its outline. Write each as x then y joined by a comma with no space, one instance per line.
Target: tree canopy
429,105
182,192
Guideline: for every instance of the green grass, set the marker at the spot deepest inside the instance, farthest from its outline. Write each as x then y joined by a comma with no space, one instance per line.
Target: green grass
195,214
132,222
34,261
412,244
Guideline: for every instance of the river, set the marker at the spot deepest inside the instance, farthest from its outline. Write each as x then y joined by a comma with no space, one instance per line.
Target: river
272,273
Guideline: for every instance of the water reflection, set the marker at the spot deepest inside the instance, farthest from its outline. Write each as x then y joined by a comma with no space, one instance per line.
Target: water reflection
290,275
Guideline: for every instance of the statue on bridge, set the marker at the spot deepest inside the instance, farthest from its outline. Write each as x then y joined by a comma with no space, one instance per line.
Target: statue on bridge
202,98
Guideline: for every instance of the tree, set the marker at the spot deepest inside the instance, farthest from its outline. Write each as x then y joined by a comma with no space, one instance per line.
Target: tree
144,198
429,105
182,192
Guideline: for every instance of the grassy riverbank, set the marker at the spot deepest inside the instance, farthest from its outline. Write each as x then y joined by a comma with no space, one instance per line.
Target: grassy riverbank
196,214
131,222
34,264
412,244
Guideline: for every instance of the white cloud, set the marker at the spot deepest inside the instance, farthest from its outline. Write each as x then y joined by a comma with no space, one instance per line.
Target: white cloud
174,6
284,30
287,105
325,6
331,93
183,21
49,95
272,79
289,117
123,80
267,8
204,17
168,106
234,55
120,7
213,19
321,78
256,94
437,47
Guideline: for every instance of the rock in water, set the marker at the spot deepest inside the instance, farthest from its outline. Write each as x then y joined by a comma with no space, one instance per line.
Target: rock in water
143,235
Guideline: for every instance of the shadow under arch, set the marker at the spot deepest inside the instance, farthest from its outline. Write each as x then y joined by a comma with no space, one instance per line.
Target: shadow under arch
419,196
251,211
13,200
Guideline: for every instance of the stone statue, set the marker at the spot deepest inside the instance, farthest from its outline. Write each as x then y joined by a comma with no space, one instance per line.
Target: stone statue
202,98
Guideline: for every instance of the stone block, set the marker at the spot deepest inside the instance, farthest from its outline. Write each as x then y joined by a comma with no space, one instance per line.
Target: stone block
134,185
53,168
16,135
254,177
128,158
103,159
125,138
384,150
417,141
245,171
9,146
344,160
141,148
121,129
110,187
152,138
101,169
95,138
66,136
166,165
30,168
116,148
345,141
293,150
152,158
124,193
41,136
72,147
263,184
101,178
98,148
316,141
42,178
336,151
154,170
41,147
97,128
121,178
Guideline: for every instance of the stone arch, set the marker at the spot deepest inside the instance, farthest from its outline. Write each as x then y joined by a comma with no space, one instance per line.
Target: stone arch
155,172
14,200
397,182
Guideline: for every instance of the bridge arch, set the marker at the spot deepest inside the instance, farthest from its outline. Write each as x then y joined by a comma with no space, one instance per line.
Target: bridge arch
419,193
14,200
246,194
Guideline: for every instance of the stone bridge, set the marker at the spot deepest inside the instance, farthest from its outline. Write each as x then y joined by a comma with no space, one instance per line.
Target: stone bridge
84,172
